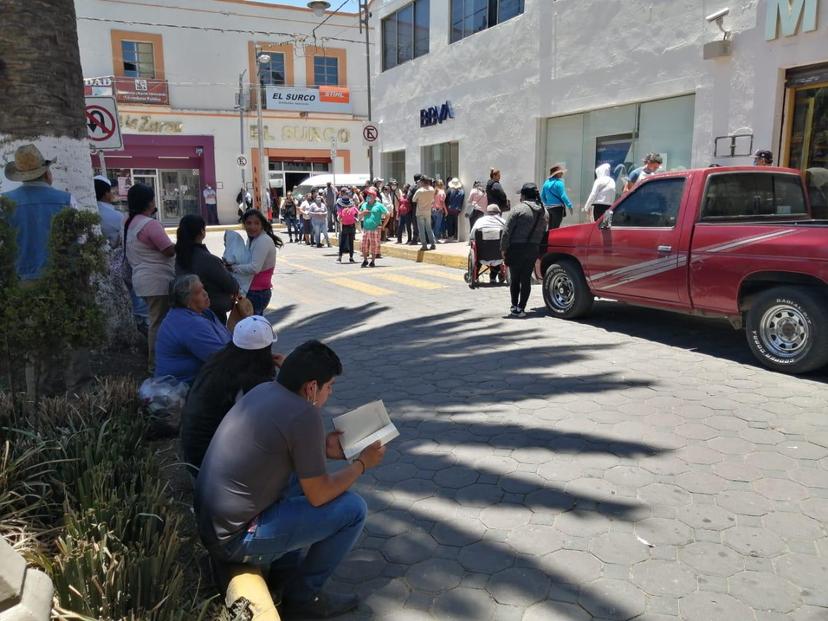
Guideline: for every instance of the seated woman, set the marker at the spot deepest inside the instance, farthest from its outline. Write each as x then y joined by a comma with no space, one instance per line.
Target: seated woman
190,333
243,364
192,257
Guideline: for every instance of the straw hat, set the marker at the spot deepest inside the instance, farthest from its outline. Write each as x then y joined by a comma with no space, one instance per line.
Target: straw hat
28,164
455,184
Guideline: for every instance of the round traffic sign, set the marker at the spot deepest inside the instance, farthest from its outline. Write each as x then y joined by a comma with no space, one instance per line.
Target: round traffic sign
101,123
241,161
370,133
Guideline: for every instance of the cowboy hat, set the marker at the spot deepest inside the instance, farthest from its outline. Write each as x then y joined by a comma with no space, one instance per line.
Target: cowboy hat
557,169
455,184
28,164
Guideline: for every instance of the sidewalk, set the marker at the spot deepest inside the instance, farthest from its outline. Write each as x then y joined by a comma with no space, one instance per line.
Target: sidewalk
452,254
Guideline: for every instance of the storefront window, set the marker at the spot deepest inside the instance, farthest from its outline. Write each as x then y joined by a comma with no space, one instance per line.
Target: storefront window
809,128
620,136
441,161
393,166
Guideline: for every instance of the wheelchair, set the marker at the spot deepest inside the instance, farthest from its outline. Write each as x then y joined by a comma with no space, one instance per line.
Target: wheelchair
485,257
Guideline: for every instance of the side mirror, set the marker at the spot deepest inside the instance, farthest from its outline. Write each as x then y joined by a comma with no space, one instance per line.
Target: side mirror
606,221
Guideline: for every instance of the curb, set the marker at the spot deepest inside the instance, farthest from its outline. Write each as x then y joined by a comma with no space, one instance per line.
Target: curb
433,257
210,227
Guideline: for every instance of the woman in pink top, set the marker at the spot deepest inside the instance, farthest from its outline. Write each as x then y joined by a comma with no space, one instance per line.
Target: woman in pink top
439,211
262,243
347,218
477,203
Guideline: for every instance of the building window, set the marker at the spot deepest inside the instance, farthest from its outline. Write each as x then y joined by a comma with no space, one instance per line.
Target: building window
471,16
139,59
393,166
273,73
405,34
325,71
441,161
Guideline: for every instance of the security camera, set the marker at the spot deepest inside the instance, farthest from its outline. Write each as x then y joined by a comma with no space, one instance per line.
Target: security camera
718,15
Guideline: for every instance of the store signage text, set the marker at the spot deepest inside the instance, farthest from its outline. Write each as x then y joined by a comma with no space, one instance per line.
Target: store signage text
785,16
146,124
302,133
302,99
435,116
128,90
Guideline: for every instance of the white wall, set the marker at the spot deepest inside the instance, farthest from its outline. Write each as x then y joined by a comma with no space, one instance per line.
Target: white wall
567,56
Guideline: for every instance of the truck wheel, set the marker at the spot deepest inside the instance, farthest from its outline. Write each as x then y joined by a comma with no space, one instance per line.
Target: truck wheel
565,291
787,329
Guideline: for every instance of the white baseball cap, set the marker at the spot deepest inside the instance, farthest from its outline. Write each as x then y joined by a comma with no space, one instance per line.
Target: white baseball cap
253,333
102,178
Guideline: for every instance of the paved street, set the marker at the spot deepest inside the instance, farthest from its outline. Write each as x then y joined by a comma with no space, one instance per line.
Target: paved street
637,464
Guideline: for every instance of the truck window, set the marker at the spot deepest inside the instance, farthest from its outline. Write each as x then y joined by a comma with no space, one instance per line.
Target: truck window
753,196
653,204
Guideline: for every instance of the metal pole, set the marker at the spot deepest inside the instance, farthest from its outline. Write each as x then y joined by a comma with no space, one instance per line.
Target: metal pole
241,127
102,161
262,166
364,6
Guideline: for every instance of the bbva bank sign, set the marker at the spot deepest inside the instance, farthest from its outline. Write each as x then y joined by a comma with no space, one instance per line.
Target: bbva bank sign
790,17
434,115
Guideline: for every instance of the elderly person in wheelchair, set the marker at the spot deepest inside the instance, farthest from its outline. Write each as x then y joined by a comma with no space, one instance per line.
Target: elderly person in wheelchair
485,254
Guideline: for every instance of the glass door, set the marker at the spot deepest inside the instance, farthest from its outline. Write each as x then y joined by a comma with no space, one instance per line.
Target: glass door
809,128
179,195
147,176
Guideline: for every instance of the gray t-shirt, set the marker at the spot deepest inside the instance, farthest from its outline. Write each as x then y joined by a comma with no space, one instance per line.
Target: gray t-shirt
268,435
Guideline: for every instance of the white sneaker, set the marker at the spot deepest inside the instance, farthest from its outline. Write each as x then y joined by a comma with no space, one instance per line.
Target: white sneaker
520,313
514,310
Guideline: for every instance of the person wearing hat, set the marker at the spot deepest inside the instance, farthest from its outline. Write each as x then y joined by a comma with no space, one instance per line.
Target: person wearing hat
348,214
763,157
554,197
520,243
652,162
264,493
230,373
373,214
36,205
455,198
112,220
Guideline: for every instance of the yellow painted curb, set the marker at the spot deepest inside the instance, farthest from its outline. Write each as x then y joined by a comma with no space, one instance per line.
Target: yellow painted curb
433,257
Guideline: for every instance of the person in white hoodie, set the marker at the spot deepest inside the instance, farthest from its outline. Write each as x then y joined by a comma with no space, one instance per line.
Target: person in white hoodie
603,193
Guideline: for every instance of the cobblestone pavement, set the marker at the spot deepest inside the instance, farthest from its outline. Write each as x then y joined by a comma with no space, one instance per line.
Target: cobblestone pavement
635,465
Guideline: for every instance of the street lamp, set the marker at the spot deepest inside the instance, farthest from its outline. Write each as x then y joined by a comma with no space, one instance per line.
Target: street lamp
318,7
264,195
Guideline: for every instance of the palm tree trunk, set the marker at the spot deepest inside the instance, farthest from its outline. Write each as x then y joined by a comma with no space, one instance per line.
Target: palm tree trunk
41,99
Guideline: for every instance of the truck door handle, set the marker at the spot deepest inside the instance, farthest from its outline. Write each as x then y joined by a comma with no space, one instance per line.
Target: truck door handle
665,249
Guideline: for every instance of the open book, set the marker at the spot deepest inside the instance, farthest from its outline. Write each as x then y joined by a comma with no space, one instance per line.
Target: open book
363,426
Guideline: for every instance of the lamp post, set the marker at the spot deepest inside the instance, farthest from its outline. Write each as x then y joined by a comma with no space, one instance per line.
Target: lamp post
264,195
242,106
319,7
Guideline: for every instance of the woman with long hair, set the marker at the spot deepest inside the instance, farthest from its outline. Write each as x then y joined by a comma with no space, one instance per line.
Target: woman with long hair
262,243
150,253
192,257
231,372
495,194
439,210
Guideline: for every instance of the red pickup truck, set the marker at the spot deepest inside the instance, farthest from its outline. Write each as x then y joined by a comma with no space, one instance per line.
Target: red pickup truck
735,242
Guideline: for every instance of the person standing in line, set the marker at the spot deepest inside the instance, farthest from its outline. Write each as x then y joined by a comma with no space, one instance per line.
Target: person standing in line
495,194
554,196
330,204
387,201
112,220
477,203
373,214
404,212
412,189
348,214
319,218
192,257
304,212
150,253
210,204
520,244
289,209
602,196
455,200
763,157
652,163
262,244
439,211
424,200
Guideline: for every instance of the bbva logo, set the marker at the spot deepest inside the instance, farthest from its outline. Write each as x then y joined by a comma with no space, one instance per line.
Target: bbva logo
434,115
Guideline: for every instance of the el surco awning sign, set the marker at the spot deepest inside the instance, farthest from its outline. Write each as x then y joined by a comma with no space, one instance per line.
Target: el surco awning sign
302,99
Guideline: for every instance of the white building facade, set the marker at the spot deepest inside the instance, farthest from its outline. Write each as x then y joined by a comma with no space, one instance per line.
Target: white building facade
175,69
519,85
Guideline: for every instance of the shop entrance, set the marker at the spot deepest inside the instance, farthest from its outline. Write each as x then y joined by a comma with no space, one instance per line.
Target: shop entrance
176,191
285,175
808,125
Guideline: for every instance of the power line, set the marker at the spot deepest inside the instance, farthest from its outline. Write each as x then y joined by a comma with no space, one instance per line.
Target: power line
291,37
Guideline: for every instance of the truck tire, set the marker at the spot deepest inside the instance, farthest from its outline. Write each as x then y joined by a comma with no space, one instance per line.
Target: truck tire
787,329
566,292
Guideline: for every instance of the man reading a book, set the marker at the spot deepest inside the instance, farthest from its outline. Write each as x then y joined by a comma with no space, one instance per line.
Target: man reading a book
264,496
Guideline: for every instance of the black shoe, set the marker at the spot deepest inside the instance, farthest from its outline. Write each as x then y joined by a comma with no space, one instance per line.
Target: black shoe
371,264
432,247
322,606
351,260
318,245
339,260
365,264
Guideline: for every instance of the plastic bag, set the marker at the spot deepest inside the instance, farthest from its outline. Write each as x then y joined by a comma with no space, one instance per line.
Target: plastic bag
163,395
236,252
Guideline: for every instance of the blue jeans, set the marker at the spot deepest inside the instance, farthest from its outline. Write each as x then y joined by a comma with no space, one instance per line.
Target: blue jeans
426,232
259,300
319,229
437,223
293,226
292,524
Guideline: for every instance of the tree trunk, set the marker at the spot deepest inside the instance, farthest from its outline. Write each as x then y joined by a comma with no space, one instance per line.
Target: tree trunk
42,102
41,99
